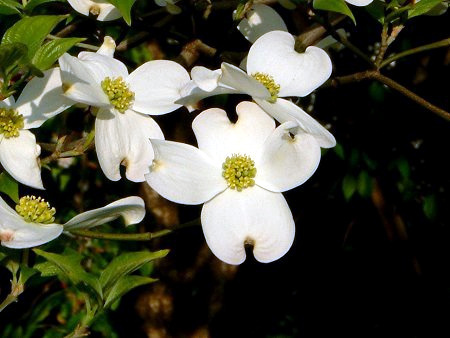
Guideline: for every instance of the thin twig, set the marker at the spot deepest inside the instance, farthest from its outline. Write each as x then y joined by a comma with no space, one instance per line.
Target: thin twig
383,45
437,44
375,75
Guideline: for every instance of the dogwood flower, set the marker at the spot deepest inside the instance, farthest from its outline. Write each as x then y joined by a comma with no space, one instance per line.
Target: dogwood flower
41,99
259,20
122,126
274,69
32,222
239,172
101,9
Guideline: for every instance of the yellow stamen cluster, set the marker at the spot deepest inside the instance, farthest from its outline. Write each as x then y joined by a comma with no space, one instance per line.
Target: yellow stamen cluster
36,210
269,83
10,122
239,171
120,96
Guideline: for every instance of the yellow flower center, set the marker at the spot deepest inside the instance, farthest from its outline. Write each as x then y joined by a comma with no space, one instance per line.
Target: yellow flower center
10,122
35,209
239,171
269,83
120,96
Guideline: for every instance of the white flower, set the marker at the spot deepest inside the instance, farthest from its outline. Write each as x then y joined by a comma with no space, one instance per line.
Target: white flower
359,2
239,172
102,9
274,70
41,99
123,127
31,224
170,6
259,20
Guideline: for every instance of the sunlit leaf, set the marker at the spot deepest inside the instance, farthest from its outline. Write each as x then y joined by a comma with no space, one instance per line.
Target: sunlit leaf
70,266
339,6
47,54
423,7
126,264
9,7
32,31
124,7
124,285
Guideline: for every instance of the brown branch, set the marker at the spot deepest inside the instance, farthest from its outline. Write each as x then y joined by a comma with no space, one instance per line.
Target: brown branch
375,75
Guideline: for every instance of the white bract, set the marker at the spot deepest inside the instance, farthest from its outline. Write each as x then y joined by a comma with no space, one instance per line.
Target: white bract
41,99
274,70
239,172
101,9
124,101
259,20
31,223
359,2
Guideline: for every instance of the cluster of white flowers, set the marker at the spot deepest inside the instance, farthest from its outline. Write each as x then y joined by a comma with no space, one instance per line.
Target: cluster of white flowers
238,171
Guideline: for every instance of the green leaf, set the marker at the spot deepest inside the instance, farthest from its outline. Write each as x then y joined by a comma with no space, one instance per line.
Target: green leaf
124,285
70,267
32,31
338,6
9,186
348,186
47,54
430,206
376,10
339,151
34,3
9,7
26,273
423,7
47,269
124,7
2,256
126,264
11,56
365,184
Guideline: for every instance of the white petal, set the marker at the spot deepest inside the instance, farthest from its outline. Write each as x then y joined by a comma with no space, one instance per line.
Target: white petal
132,209
219,137
259,20
8,102
297,74
42,98
359,2
157,85
17,234
191,94
286,162
206,79
28,235
253,215
108,47
284,110
81,6
19,156
108,12
236,78
101,66
124,138
79,84
184,174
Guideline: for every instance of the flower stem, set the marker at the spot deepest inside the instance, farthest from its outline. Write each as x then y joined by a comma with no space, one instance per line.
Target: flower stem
146,236
437,44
